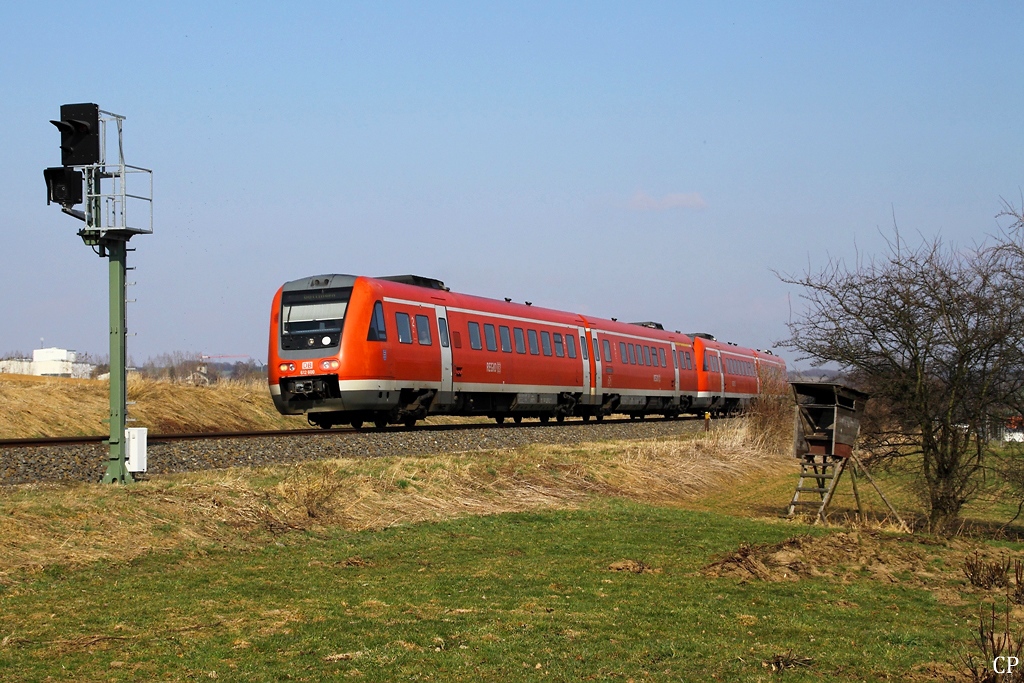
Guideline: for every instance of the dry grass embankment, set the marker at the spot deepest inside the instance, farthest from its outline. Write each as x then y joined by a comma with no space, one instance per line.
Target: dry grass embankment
54,406
79,524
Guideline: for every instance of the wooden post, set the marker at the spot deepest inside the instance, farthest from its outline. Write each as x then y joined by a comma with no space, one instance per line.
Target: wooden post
856,494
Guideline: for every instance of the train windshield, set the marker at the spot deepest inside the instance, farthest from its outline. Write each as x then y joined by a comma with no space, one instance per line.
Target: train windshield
315,315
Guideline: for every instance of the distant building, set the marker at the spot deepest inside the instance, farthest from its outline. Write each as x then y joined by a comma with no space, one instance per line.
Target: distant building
50,362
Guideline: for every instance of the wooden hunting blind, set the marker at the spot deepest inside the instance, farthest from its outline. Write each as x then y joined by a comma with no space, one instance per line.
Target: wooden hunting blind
826,428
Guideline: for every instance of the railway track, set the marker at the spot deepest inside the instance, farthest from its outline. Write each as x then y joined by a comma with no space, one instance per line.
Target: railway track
82,459
194,436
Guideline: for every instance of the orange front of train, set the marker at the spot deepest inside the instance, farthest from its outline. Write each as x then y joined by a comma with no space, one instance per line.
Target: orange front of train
308,352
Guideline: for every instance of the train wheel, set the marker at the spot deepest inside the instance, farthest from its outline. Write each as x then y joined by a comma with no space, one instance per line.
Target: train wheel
500,419
632,416
325,425
380,422
544,419
357,424
517,419
585,417
599,417
559,418
410,422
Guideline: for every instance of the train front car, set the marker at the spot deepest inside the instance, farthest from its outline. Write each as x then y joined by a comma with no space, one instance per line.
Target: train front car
335,356
307,322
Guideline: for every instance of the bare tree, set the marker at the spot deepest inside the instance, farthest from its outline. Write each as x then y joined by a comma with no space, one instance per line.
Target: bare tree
936,334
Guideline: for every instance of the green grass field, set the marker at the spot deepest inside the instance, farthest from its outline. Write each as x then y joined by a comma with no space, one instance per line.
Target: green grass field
511,597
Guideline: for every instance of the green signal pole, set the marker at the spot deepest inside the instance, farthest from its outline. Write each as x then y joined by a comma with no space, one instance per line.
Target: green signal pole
117,467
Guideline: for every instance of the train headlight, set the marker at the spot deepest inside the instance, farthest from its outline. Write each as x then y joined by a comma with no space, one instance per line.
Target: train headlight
329,364
286,367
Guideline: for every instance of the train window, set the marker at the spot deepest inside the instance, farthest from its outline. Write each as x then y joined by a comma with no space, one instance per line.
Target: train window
506,339
570,345
520,340
690,363
559,347
534,346
404,328
456,339
704,366
474,336
490,338
622,352
632,354
442,328
647,356
377,330
423,330
545,342
583,348
606,345
661,357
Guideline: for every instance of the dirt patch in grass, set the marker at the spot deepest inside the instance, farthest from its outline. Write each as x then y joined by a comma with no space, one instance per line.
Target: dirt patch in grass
933,564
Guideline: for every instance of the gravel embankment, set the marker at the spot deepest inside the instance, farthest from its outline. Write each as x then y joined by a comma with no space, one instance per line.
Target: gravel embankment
87,463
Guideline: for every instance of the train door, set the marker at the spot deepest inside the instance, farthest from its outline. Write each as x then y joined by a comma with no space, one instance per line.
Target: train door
588,390
445,394
596,352
675,364
717,379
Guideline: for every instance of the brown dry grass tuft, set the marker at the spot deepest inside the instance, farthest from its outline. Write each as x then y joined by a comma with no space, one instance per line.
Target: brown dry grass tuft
770,417
80,524
53,406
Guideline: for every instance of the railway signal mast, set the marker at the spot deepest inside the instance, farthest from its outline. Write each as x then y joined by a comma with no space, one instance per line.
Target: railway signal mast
113,213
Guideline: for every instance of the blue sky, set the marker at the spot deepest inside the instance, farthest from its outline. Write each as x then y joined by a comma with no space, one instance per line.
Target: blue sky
647,161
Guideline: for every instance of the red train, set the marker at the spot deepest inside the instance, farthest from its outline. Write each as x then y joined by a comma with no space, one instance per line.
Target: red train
349,350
